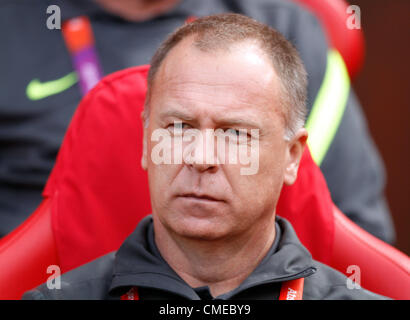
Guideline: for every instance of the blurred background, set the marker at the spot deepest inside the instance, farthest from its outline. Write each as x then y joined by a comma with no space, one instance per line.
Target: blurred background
383,89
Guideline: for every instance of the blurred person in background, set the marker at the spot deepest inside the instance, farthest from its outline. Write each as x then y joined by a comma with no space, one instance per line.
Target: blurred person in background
42,86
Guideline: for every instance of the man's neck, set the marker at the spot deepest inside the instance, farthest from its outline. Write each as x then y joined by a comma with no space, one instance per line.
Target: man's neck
222,264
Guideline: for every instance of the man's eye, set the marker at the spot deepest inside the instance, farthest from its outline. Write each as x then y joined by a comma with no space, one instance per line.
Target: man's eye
233,132
242,135
239,133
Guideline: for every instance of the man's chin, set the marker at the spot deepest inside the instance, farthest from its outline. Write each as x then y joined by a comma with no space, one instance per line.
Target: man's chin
199,229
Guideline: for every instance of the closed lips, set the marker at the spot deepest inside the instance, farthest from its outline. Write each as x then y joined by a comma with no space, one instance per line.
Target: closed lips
201,197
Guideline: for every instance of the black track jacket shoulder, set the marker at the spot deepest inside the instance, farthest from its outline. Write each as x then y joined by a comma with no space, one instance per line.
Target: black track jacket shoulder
139,263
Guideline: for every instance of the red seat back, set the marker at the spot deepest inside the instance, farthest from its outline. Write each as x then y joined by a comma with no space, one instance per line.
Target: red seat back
348,42
382,268
26,253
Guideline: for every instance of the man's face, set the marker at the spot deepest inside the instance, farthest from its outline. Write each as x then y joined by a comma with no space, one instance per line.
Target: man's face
228,90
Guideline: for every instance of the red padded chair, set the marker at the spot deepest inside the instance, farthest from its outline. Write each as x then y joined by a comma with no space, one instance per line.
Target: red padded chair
348,42
98,192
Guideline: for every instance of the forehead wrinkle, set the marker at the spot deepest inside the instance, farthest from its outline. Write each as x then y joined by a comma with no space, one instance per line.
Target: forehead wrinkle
224,80
205,107
241,95
215,117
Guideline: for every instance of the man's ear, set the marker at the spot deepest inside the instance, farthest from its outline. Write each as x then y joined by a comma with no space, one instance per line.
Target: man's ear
144,158
296,146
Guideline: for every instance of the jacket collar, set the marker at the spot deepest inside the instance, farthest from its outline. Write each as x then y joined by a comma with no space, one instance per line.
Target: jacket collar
139,263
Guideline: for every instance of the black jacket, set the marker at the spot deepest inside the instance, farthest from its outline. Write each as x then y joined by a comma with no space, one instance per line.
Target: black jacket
31,130
139,263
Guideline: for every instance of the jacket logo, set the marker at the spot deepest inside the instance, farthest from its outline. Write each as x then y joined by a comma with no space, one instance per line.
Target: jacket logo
37,90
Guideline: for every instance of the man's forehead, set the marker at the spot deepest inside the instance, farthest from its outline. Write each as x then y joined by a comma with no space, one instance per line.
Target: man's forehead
243,69
240,83
235,63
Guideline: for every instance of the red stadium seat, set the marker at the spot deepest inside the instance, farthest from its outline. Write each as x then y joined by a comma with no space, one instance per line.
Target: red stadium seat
26,253
348,42
97,193
383,269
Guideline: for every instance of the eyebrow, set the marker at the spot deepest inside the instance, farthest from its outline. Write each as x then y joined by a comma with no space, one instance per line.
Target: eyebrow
175,114
238,122
222,121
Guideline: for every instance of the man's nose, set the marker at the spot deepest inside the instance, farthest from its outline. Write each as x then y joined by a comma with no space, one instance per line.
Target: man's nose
200,153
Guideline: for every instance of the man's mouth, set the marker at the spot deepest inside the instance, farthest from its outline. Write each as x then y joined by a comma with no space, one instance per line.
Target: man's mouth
199,197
